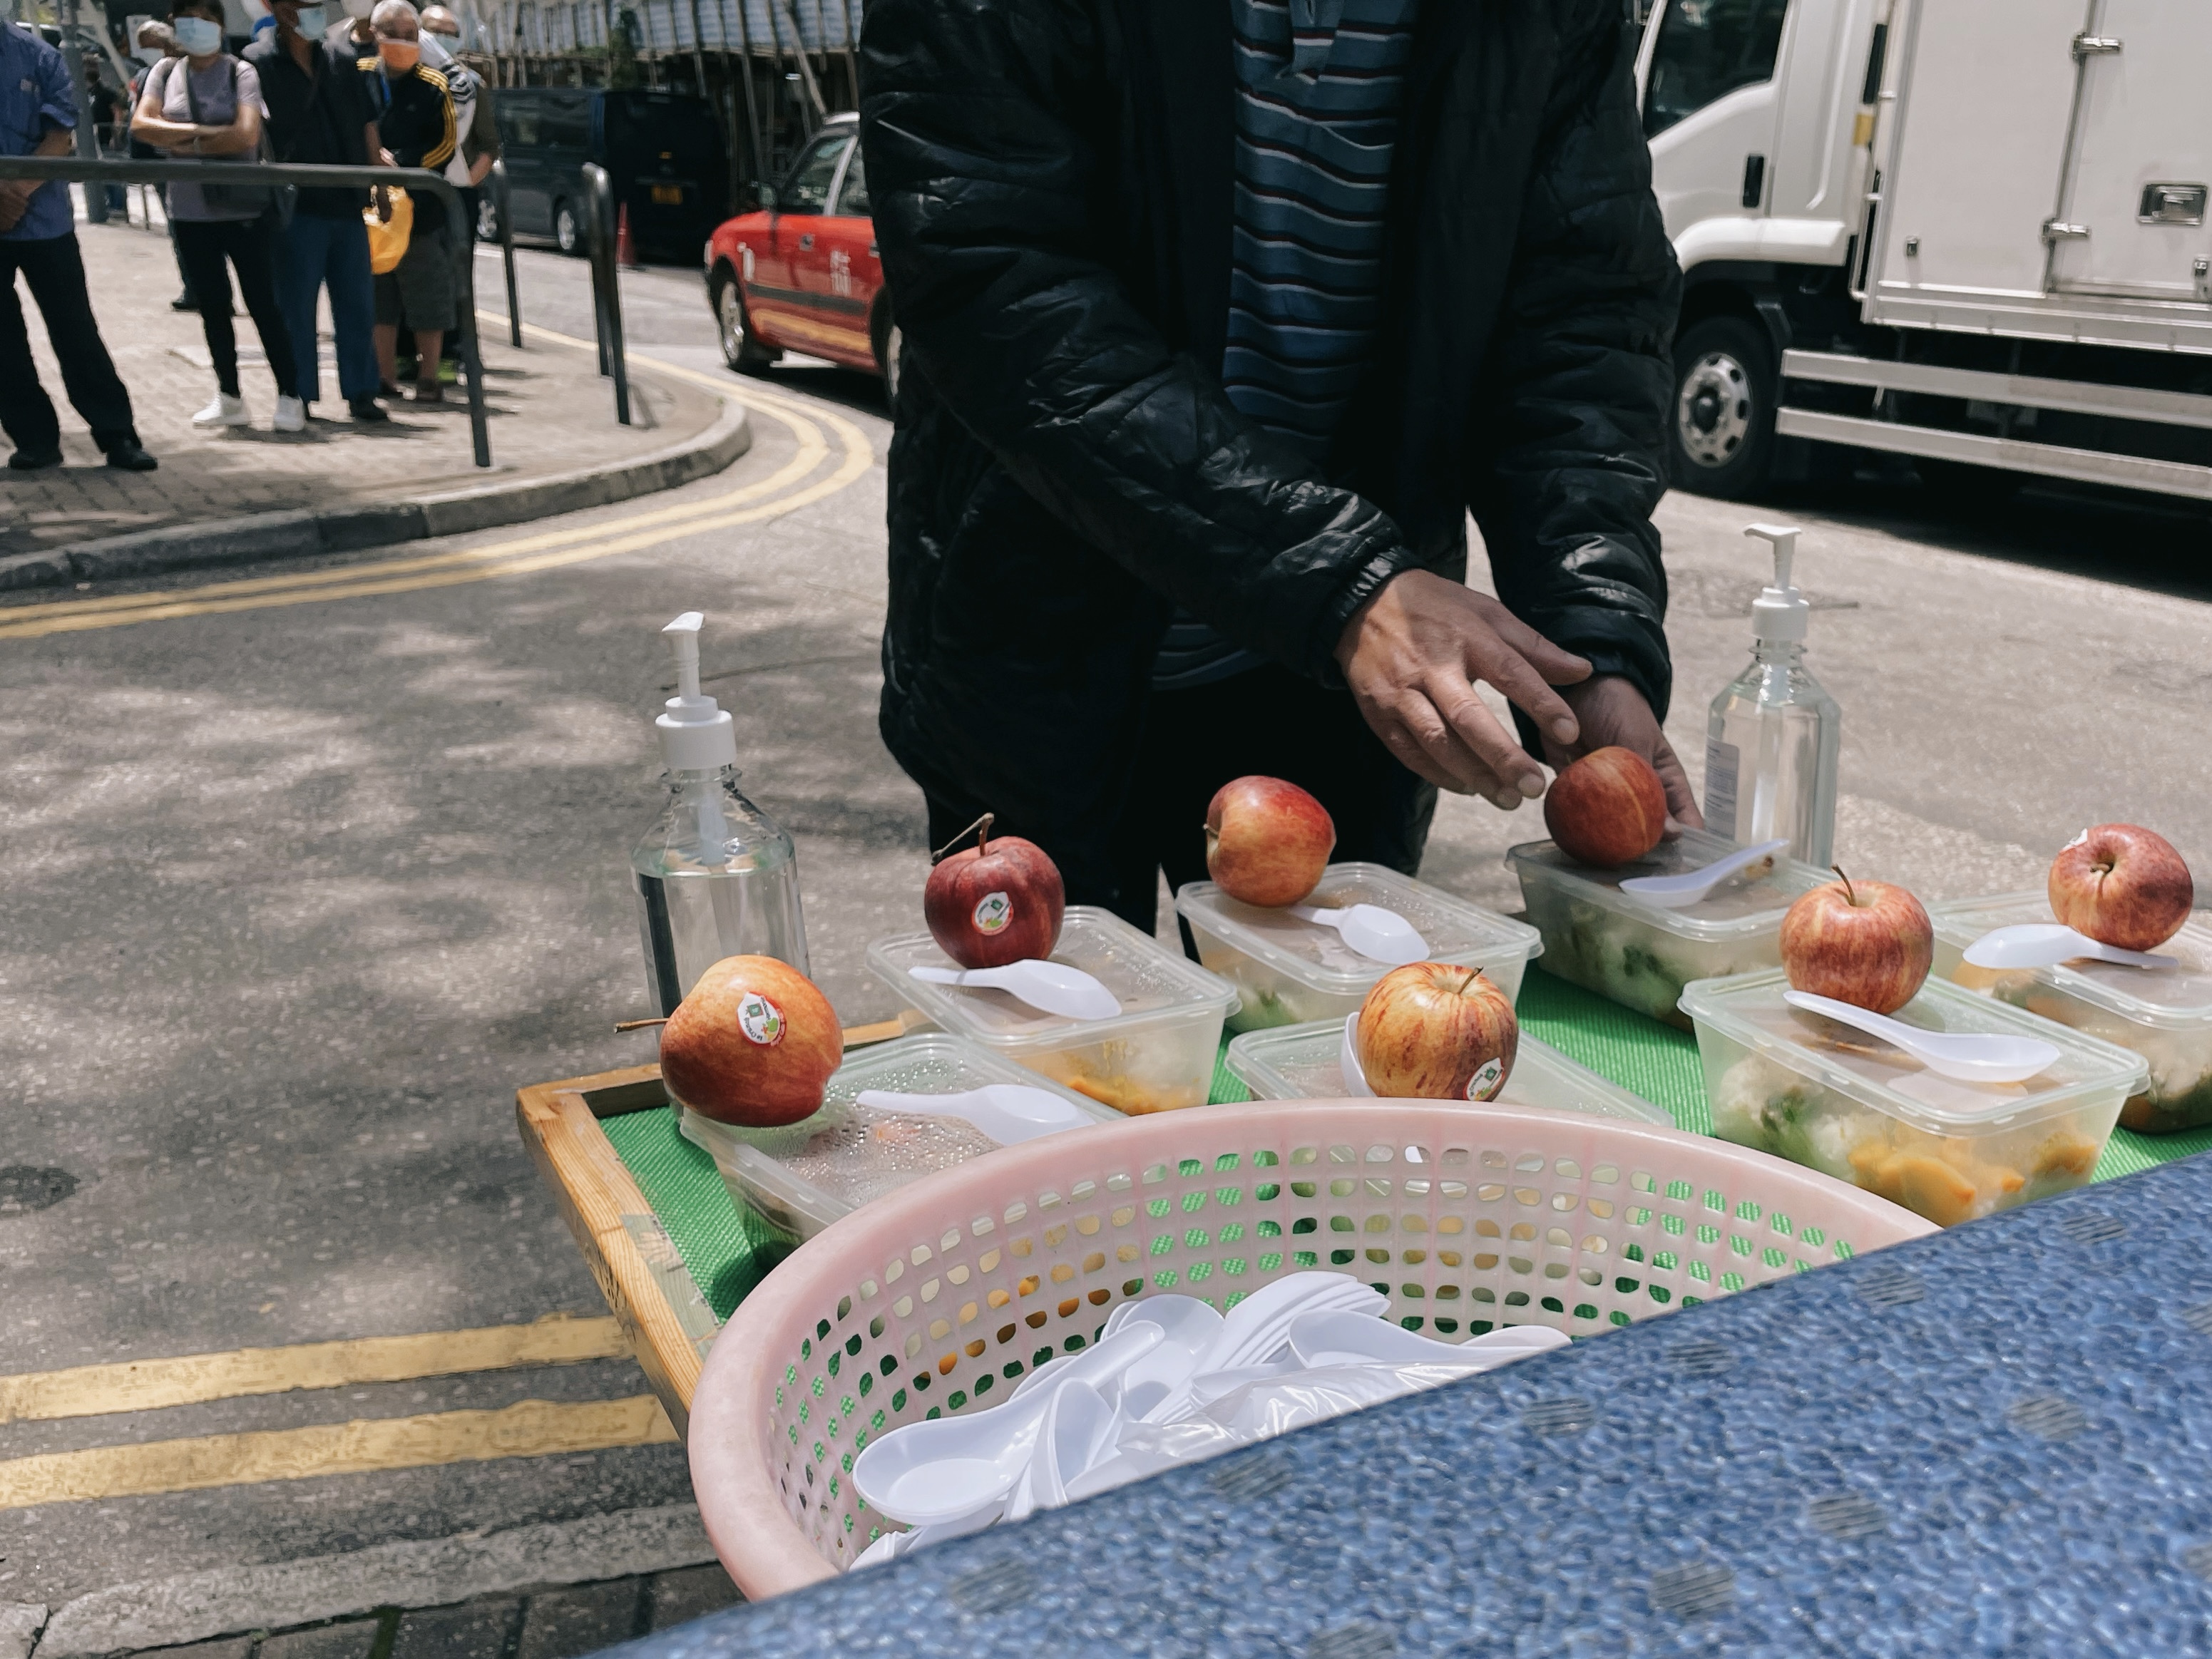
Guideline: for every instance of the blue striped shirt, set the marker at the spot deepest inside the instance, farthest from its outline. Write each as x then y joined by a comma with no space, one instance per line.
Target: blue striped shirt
1319,84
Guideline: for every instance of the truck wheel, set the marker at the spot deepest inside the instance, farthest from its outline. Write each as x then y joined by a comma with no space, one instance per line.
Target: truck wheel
1721,429
740,350
568,228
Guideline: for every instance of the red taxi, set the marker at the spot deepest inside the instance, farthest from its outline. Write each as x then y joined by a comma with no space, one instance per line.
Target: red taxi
802,273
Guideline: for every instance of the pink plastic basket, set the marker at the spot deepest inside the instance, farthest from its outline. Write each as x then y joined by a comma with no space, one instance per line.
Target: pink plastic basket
947,1290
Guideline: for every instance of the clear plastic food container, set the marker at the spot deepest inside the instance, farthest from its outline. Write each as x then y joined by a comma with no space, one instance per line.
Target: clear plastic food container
1289,970
1156,1056
1823,1095
1301,1062
801,1178
1637,954
2163,1014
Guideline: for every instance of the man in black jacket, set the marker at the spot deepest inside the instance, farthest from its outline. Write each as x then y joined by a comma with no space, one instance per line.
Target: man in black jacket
1219,318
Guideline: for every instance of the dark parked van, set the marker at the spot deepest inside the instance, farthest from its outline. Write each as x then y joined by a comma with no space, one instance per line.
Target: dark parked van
663,152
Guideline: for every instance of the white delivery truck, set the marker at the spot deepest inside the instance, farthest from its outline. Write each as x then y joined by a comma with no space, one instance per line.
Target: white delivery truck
1972,232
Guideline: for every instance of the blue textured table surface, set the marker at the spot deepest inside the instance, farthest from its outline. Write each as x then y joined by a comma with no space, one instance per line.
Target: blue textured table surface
1997,1440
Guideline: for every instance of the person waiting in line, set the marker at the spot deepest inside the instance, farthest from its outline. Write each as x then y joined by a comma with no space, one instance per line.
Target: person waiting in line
1216,326
207,104
350,39
38,237
479,136
415,118
319,114
155,43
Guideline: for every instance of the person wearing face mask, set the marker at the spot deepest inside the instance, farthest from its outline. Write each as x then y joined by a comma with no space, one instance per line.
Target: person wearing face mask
350,39
207,104
319,114
472,121
37,238
415,119
154,44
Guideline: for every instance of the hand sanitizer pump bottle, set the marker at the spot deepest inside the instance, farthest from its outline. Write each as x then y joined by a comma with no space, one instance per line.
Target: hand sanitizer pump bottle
714,877
1774,735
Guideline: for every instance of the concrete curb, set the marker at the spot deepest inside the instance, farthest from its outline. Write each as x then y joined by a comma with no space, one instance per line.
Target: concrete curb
434,1573
301,534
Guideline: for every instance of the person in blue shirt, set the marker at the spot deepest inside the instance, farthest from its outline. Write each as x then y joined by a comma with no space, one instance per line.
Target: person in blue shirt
38,237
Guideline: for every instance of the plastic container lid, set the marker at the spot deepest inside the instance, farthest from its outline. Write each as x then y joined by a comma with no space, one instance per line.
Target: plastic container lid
1153,984
1454,930
2168,999
1301,1062
1736,910
845,1166
1748,1009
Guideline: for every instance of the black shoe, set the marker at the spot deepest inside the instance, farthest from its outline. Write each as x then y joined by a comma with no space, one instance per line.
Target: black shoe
130,457
32,460
367,411
184,303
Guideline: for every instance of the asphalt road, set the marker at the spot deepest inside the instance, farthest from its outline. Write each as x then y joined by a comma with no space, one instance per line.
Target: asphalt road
299,893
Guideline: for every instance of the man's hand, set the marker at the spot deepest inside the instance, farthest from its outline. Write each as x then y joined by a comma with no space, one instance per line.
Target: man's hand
1612,711
13,203
1412,656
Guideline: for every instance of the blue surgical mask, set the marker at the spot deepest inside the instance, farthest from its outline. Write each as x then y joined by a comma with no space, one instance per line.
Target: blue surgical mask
198,36
313,21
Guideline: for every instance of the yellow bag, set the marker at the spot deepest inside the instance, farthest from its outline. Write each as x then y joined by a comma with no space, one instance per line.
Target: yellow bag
387,240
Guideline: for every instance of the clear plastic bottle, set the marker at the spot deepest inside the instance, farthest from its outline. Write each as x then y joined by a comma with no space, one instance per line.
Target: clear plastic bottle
714,876
1774,734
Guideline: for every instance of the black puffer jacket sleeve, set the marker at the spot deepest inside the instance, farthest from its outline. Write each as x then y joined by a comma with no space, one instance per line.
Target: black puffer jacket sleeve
973,115
1571,439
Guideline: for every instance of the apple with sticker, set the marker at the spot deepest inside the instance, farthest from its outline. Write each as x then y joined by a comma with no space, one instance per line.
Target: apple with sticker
998,902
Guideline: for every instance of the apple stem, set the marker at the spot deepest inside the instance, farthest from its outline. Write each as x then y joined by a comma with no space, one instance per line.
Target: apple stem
981,829
637,1024
1850,895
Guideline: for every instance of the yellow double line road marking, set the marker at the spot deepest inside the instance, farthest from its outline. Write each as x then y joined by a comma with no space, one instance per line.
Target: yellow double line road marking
145,1385
531,1428
516,555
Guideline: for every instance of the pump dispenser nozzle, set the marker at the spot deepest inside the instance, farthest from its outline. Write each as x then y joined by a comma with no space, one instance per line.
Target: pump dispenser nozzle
1779,611
696,734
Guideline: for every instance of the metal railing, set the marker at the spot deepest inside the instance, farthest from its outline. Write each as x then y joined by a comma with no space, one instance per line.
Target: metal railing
419,181
606,294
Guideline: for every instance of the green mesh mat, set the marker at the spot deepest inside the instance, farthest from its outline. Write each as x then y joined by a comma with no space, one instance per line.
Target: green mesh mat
728,1253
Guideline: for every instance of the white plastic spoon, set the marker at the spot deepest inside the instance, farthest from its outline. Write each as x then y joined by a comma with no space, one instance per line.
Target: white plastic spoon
1680,891
2047,943
1378,934
1189,1325
1348,1339
1010,1112
1259,1325
1965,1056
940,1471
1078,1431
1347,1060
1052,987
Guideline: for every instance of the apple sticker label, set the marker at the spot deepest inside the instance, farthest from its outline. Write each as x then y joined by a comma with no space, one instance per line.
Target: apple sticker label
993,912
760,1020
1489,1077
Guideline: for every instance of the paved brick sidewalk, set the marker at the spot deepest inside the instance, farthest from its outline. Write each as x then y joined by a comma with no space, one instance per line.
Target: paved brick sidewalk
550,414
560,1623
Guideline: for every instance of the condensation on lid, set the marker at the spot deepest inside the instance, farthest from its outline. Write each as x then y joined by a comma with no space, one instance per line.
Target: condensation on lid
1314,954
1734,909
2172,999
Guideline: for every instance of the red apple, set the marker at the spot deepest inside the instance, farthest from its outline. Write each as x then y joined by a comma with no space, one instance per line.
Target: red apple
1266,842
1865,943
1436,1031
752,1043
1606,808
2122,885
996,902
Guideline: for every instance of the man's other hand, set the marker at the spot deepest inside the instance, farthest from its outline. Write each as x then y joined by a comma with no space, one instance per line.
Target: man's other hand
1613,712
1412,656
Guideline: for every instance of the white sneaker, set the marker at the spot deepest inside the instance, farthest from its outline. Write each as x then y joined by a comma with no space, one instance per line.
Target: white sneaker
291,416
225,410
